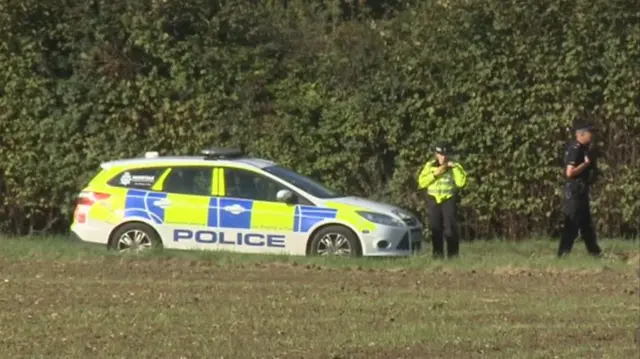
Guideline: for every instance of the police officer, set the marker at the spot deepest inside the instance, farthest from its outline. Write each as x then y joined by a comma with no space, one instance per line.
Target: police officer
578,169
442,178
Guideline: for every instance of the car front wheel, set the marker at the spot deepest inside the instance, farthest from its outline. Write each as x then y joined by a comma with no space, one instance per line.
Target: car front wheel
335,241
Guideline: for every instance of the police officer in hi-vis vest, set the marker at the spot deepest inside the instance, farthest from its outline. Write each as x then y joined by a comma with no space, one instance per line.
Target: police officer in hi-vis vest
442,178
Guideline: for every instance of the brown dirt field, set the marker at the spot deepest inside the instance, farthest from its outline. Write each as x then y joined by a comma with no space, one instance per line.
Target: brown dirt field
183,308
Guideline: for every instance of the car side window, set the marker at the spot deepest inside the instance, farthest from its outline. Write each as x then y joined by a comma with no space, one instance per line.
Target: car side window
249,185
139,178
189,180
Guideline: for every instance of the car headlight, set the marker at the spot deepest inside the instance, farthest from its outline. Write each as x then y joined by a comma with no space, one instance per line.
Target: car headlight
380,218
406,217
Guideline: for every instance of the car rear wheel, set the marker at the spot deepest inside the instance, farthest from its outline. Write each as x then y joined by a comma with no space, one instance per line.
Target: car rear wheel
135,237
335,241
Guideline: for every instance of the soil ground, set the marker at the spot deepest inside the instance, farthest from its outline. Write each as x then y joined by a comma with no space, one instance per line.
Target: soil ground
62,303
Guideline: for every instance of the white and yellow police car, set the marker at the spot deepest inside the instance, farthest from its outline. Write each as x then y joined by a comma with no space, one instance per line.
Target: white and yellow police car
225,200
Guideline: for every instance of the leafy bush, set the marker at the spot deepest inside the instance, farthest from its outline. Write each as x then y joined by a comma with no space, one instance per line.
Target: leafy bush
341,91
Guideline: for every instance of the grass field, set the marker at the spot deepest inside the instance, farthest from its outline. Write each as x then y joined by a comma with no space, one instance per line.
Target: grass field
499,300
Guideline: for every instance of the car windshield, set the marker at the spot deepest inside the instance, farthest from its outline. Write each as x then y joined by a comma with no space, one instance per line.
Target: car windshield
306,184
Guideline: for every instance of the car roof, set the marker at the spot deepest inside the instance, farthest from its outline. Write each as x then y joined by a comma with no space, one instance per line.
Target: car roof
187,160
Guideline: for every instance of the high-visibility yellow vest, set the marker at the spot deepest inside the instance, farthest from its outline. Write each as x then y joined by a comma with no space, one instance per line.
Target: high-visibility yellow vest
444,186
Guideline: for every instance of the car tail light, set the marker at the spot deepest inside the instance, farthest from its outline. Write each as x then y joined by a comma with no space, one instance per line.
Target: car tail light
80,217
84,201
87,198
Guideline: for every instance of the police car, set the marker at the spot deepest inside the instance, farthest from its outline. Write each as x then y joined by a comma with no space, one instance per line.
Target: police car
225,200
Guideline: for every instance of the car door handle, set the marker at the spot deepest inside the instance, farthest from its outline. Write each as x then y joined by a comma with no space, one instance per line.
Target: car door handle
162,203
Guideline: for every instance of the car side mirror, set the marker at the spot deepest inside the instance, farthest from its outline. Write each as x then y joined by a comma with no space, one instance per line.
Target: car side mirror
286,196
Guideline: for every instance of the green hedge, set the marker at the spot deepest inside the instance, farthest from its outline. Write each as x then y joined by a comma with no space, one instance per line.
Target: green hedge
352,96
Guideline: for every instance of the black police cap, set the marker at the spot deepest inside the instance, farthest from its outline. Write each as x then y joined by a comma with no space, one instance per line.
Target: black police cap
579,125
442,148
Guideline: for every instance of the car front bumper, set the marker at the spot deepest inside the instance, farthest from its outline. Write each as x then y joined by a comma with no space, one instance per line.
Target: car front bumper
392,241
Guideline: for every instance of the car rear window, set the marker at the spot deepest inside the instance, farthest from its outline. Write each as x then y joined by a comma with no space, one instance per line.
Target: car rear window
139,178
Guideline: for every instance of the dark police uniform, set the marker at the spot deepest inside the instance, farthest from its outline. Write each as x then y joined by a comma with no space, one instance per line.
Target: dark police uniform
577,211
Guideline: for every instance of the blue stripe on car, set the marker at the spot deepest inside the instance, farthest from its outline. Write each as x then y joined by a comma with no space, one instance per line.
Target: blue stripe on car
306,217
213,215
235,213
139,204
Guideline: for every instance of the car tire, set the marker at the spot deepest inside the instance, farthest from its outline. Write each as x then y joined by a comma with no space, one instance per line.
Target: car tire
136,237
335,240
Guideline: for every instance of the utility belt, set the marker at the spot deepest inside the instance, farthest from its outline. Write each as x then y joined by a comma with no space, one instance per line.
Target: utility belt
439,195
438,191
576,189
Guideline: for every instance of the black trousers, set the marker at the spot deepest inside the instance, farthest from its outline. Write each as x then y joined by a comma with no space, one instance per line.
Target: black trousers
577,217
442,220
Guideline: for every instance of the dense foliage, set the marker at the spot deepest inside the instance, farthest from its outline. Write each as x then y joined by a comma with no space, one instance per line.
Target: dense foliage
352,93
